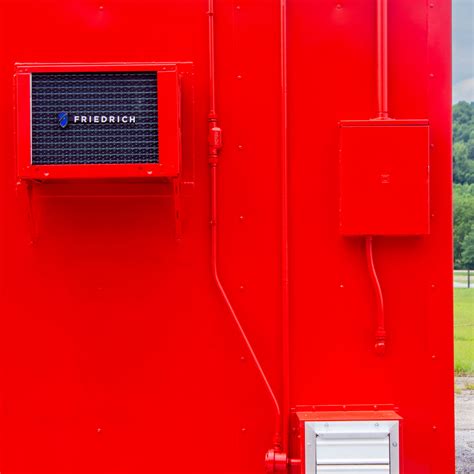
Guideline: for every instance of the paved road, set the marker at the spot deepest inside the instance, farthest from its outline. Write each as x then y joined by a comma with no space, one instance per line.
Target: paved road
465,426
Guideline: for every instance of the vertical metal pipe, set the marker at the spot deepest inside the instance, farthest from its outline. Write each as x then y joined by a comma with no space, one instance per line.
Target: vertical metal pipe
284,223
212,60
382,114
382,58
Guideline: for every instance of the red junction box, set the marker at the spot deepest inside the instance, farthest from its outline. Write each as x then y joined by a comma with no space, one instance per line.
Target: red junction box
384,177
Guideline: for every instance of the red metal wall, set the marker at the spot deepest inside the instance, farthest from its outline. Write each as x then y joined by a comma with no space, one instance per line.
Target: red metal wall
117,353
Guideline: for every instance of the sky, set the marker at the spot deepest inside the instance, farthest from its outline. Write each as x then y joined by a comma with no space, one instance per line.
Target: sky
463,50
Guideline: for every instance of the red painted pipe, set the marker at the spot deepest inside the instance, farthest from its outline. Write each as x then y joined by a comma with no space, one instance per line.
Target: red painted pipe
380,335
212,61
382,114
382,58
215,146
215,271
284,226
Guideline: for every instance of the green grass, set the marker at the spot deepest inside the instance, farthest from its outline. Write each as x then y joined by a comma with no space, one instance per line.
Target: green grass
464,330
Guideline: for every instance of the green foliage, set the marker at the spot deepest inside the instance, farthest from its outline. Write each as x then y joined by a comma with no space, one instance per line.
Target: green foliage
463,220
467,247
463,167
463,146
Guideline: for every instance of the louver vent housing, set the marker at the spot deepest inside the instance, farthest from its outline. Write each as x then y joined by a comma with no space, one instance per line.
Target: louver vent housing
98,121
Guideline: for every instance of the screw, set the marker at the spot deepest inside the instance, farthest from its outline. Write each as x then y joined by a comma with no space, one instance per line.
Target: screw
394,445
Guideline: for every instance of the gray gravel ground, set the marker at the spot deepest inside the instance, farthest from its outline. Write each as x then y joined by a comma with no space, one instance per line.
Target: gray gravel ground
464,425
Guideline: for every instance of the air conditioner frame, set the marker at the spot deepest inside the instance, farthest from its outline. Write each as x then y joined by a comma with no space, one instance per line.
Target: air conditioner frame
169,164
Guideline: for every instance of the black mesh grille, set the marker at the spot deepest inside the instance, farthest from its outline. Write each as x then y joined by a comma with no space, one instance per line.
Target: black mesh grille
94,118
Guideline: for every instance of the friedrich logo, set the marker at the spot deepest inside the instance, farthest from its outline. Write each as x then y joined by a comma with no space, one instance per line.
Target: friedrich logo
95,119
63,119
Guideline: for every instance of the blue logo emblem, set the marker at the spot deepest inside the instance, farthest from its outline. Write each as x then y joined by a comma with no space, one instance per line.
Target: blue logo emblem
63,119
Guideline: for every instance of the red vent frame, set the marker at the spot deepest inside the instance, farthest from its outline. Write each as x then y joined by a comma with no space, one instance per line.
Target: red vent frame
169,126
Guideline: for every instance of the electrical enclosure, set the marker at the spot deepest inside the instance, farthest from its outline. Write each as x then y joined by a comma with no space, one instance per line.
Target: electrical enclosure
384,177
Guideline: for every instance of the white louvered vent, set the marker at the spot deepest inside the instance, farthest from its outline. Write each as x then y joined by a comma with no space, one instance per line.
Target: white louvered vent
361,447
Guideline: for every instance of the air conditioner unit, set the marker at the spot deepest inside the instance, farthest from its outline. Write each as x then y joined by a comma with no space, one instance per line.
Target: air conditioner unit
98,121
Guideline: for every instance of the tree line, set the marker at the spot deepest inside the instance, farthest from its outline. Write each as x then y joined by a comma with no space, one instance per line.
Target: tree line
463,176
